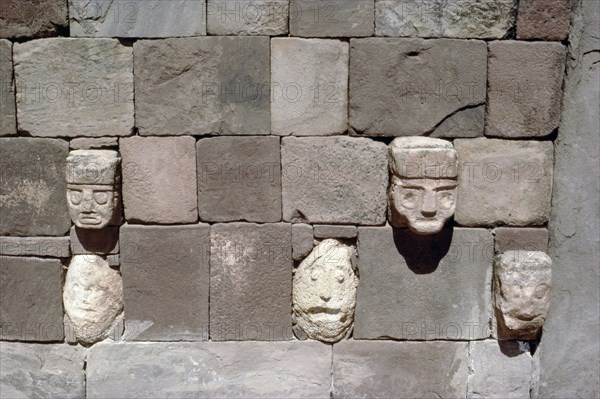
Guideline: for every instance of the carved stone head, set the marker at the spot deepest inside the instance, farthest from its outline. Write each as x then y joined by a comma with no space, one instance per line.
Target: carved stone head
324,291
522,283
424,180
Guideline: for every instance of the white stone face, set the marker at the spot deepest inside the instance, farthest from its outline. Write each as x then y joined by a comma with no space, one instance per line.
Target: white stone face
93,297
324,291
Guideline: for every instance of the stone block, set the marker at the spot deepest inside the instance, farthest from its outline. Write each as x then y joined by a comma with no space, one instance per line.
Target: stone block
94,143
137,18
239,178
439,18
8,114
31,297
520,239
500,370
247,17
380,369
166,282
424,287
53,247
525,88
67,87
33,193
334,180
101,242
335,18
203,85
417,87
159,179
333,231
309,78
503,182
38,18
302,240
210,370
251,282
113,260
42,371
544,19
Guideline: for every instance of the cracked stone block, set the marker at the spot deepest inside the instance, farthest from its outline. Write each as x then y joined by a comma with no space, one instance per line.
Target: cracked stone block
31,297
94,143
302,240
339,180
431,87
525,88
203,85
544,19
251,282
333,231
8,121
247,17
379,369
33,193
53,247
504,182
331,18
136,18
309,78
28,19
239,178
42,371
487,19
210,370
74,87
521,239
165,282
159,179
424,287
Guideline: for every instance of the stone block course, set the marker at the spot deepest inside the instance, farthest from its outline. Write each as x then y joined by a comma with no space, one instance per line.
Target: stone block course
94,143
8,121
335,18
55,247
544,19
520,239
38,18
247,17
333,231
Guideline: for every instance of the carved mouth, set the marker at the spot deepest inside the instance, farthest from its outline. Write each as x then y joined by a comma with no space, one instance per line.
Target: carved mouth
89,218
324,310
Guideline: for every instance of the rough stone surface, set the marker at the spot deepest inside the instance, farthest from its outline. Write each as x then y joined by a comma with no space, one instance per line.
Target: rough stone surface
239,178
335,18
101,242
203,85
31,299
416,86
166,282
247,17
503,182
8,121
94,143
210,370
365,369
302,240
309,78
136,18
54,247
500,370
333,231
74,87
334,180
159,179
439,18
525,88
250,282
515,239
42,371
415,287
544,19
33,198
38,18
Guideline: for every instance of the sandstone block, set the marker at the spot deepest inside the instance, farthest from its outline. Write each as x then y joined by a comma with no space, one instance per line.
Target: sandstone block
53,247
137,18
379,369
247,17
334,18
520,239
33,199
159,179
302,240
309,78
31,297
250,282
544,19
417,87
503,182
33,18
333,231
239,178
165,281
67,87
425,288
525,88
94,143
321,178
203,85
8,121
101,242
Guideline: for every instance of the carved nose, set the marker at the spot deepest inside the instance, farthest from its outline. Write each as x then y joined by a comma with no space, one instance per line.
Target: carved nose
429,207
325,296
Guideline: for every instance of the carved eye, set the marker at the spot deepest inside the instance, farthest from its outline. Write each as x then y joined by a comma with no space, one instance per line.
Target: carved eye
101,197
75,197
409,198
540,291
445,199
314,275
340,278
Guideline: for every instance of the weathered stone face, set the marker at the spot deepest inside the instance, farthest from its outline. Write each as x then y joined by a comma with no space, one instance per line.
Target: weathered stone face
522,292
324,291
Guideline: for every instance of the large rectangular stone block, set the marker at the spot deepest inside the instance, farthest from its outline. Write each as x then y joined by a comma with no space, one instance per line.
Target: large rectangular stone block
202,85
417,87
334,180
247,17
165,282
8,114
544,19
40,18
54,247
74,87
251,282
424,287
331,18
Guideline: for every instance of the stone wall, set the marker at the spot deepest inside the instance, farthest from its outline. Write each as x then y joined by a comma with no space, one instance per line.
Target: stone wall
251,151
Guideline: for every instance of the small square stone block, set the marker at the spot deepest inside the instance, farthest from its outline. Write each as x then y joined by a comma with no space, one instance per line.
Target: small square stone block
302,240
332,18
520,239
544,19
40,18
247,17
8,114
90,241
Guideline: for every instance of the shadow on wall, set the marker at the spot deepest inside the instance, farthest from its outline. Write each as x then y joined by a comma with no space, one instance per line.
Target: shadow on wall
423,254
